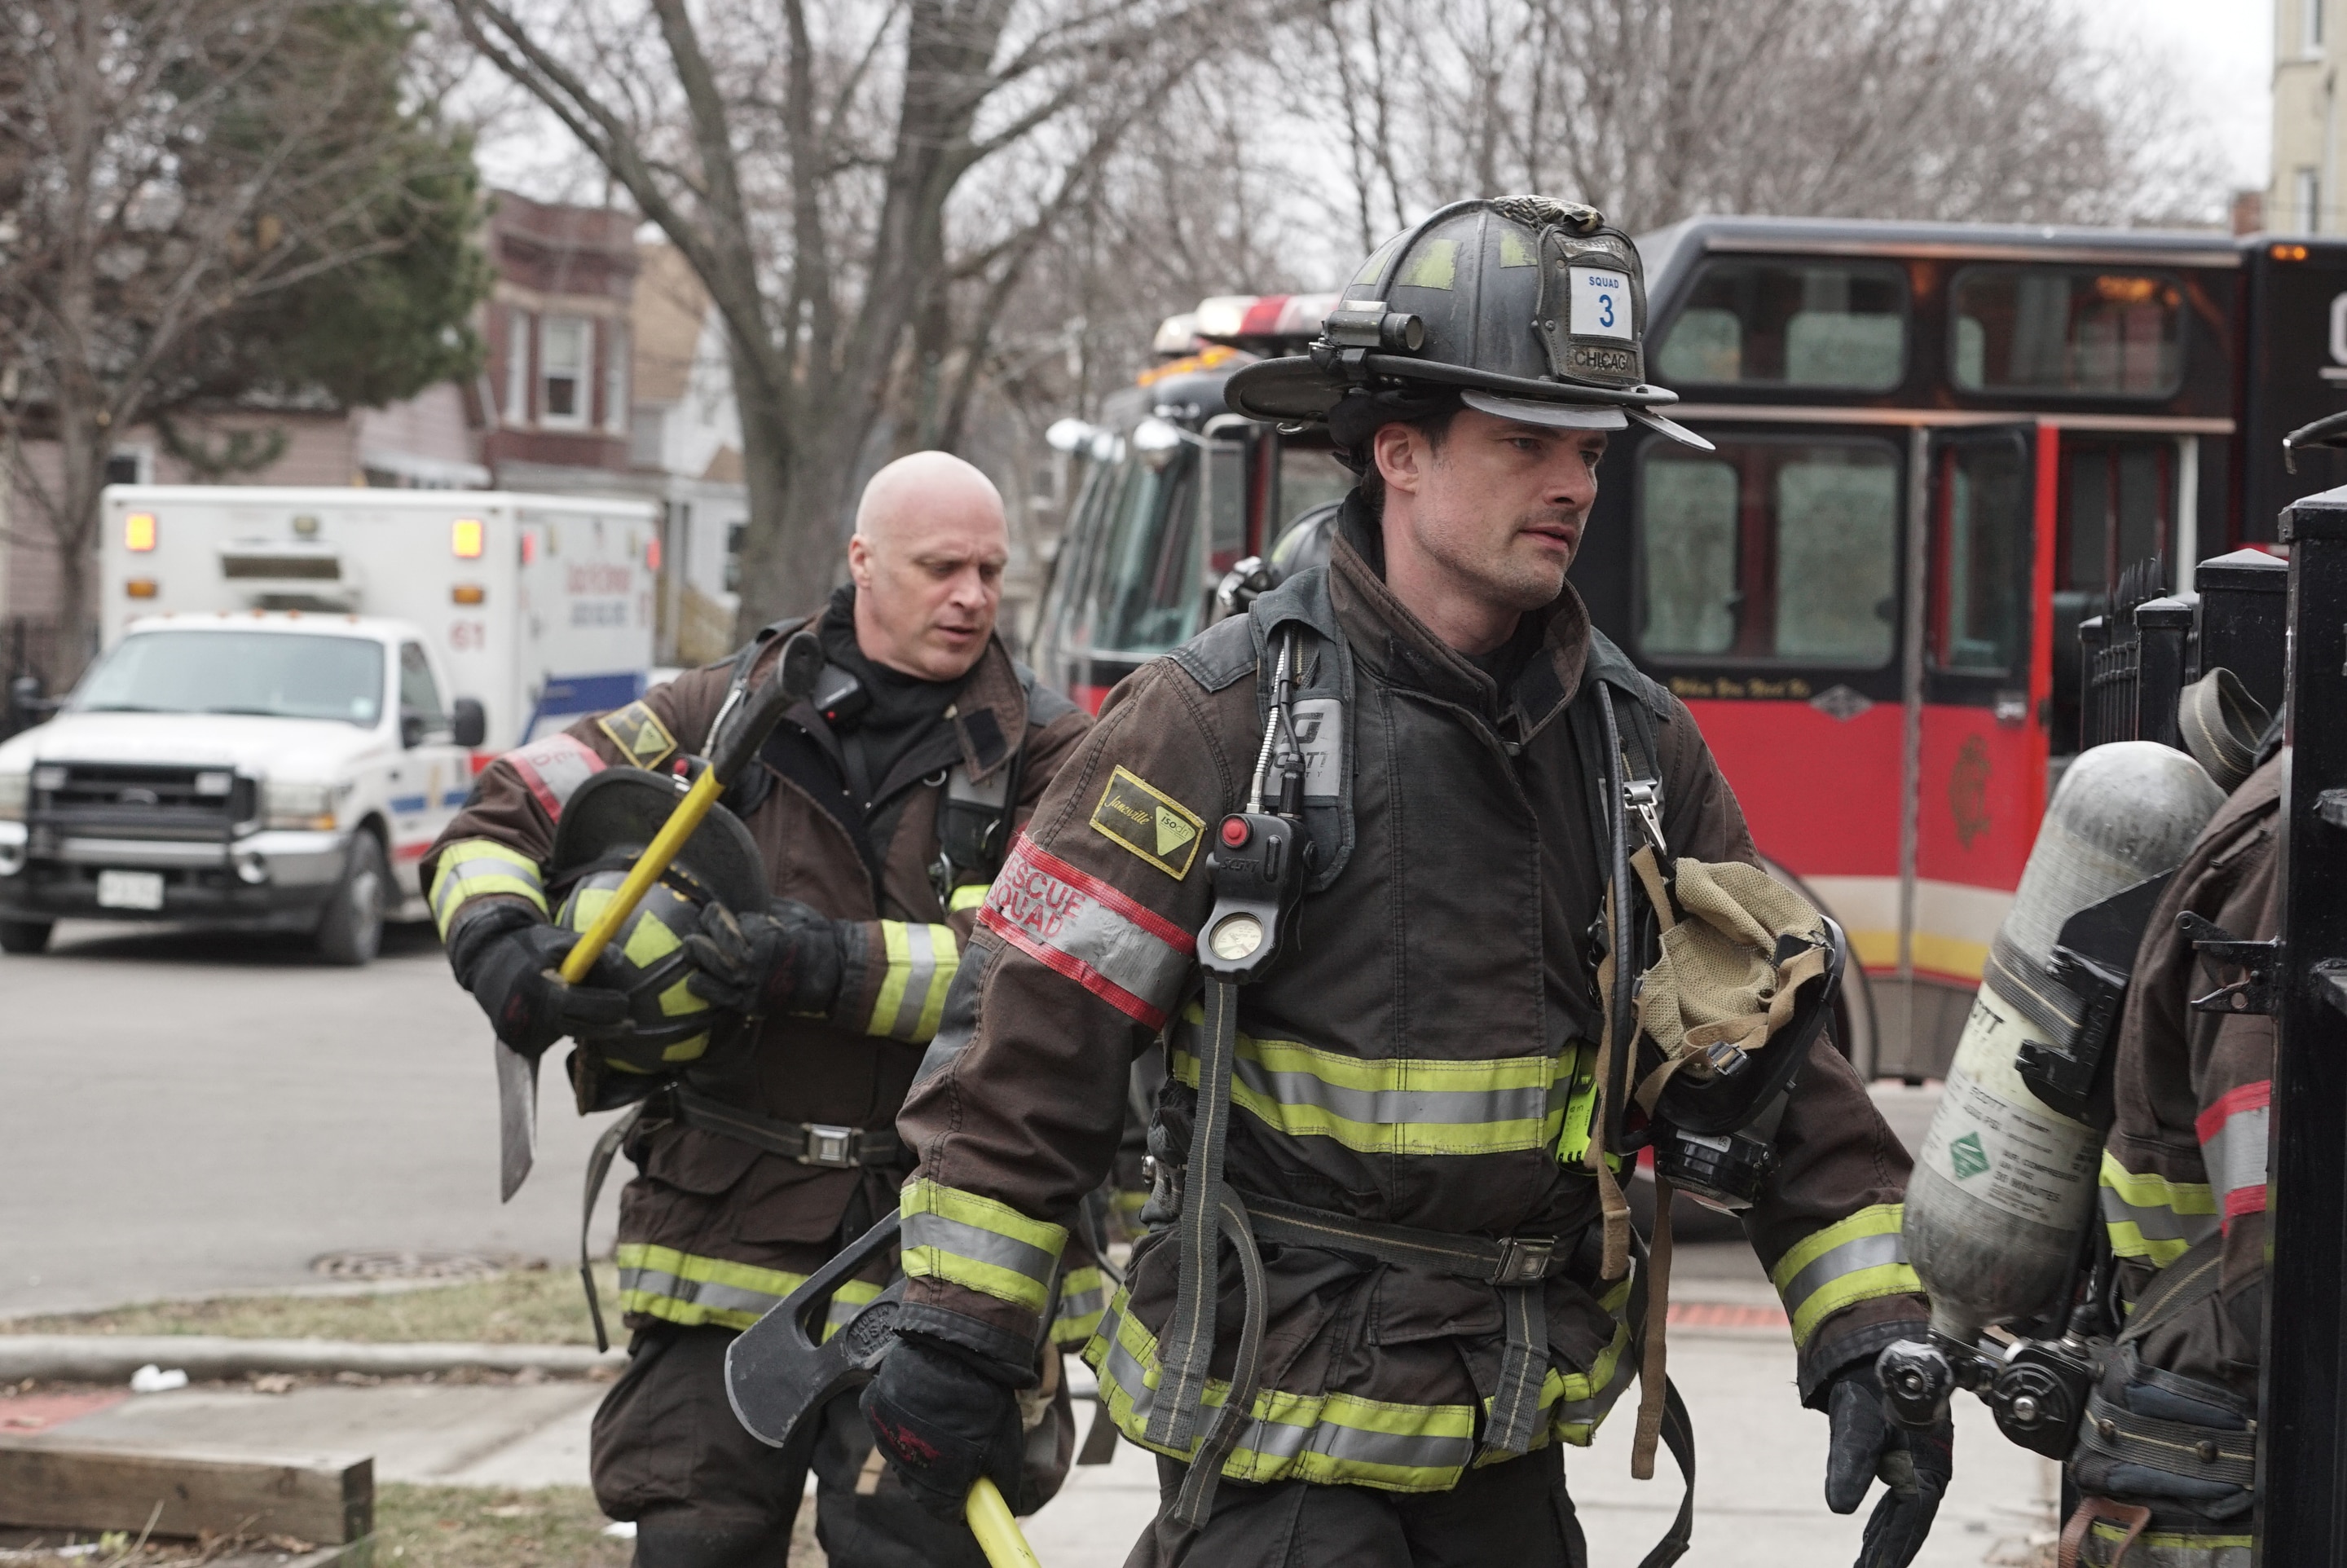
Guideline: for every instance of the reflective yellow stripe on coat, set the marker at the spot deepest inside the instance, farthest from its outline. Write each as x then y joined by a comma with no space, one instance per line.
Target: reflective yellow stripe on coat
472,867
921,967
1850,1261
1083,1301
1396,1105
979,1243
682,1288
2151,1217
1338,1439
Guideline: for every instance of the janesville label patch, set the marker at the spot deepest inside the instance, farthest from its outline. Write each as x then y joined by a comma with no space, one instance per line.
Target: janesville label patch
639,732
1140,817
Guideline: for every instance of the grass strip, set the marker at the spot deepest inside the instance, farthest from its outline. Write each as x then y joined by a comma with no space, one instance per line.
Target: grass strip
538,1306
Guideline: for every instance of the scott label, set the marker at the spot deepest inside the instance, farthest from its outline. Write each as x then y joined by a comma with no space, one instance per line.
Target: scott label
1996,1141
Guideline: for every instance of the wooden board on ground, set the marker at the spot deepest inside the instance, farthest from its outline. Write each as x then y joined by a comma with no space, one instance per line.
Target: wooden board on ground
44,1484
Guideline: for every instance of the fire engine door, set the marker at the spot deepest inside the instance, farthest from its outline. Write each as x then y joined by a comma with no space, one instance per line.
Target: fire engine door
1978,689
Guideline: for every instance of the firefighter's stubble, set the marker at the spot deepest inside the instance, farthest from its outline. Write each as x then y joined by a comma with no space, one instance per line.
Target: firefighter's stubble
1482,525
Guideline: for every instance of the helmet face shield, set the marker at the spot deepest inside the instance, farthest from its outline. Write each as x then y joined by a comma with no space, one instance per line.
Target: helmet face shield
1522,299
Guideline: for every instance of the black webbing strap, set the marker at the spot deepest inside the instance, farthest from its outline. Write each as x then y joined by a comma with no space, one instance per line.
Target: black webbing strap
1188,1345
806,1143
599,1165
1516,1264
1196,1499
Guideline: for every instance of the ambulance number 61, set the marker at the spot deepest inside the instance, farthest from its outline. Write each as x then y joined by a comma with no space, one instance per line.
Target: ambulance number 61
468,636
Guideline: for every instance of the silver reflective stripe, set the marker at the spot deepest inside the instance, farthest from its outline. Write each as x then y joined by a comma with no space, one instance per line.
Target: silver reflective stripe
1439,1107
920,974
554,767
1083,1304
1859,1252
959,1240
2235,1154
2160,1223
702,1293
1058,914
1279,1439
481,870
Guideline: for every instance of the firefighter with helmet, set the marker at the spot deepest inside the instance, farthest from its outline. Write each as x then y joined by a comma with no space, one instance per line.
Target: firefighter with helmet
1350,855
765,1009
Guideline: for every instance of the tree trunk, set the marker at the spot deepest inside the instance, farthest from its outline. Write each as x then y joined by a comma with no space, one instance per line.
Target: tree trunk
74,529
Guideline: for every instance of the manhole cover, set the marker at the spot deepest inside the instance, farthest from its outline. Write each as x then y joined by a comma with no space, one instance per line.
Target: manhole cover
404,1265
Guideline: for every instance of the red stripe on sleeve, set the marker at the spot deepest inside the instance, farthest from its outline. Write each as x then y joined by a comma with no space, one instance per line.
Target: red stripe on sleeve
2232,1102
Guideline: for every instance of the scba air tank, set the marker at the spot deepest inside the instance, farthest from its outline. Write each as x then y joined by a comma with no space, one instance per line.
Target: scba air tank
2004,1184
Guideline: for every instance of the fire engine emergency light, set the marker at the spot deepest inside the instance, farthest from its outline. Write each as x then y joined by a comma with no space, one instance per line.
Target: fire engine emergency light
464,538
139,531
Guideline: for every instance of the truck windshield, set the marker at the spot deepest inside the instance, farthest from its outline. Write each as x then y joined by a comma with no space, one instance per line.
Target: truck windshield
279,675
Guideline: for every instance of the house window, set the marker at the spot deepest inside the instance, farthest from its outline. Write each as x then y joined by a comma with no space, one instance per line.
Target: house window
615,381
2306,203
2309,32
516,366
566,348
127,466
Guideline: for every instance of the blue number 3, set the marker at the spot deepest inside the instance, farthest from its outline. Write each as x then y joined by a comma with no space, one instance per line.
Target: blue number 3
1604,309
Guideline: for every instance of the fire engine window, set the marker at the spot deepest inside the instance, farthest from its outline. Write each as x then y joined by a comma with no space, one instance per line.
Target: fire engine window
1790,325
1309,476
1983,511
2068,329
1784,551
1148,594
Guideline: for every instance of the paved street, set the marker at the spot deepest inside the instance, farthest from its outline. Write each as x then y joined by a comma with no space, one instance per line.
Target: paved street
187,1114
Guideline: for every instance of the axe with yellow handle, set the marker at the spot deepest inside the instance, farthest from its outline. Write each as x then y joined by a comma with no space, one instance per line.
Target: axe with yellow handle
738,741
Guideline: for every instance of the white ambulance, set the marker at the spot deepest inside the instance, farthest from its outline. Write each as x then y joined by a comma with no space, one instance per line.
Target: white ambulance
295,691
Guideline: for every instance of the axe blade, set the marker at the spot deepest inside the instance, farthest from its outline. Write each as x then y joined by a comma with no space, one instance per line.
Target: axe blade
517,1119
782,1369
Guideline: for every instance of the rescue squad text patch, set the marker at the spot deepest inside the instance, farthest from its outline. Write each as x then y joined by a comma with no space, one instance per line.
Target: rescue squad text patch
1138,815
637,731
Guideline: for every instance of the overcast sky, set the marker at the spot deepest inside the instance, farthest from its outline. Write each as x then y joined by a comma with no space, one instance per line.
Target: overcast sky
2223,51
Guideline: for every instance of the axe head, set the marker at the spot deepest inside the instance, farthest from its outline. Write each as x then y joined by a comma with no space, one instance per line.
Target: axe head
782,1369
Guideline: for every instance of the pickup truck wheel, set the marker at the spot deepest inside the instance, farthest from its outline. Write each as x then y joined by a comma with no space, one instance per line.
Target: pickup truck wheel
351,930
25,936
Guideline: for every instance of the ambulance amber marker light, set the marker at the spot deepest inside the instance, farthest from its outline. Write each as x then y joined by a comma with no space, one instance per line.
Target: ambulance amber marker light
139,588
468,593
464,538
2288,252
139,531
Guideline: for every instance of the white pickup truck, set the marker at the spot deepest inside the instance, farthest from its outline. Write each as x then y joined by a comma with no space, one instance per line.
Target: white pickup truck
272,738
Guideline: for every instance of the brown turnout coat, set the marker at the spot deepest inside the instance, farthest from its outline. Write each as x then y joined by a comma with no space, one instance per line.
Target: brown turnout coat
712,1229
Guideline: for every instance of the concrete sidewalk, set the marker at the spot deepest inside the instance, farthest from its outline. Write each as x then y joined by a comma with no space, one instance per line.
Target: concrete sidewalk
1762,1459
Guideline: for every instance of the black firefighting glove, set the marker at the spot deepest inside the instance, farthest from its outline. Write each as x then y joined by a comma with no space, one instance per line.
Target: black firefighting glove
944,1417
515,977
1867,1443
785,961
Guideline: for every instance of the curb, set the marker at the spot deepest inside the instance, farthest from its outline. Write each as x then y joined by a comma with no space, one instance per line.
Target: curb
112,1359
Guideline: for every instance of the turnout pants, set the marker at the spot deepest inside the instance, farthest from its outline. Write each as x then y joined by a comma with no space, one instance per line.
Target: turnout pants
669,1454
1516,1513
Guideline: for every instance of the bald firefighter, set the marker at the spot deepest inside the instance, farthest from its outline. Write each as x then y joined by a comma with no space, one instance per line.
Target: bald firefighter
1350,852
765,1050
